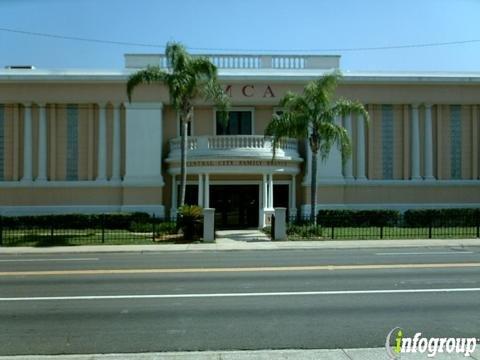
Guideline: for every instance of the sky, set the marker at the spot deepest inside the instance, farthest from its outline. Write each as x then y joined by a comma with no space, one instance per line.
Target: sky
260,26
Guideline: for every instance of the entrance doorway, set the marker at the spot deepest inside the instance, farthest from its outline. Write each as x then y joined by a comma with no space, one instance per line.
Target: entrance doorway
236,206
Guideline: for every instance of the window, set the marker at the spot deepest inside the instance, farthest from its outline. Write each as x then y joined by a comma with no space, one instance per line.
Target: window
239,123
387,141
72,142
455,141
2,139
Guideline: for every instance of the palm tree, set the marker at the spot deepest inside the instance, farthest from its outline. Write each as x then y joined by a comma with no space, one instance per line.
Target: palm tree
187,77
311,116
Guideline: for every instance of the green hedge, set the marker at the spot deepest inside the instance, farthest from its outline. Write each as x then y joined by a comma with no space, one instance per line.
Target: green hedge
358,218
441,217
411,218
79,221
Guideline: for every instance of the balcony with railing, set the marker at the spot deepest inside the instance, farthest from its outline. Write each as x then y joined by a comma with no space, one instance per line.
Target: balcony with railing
245,61
234,146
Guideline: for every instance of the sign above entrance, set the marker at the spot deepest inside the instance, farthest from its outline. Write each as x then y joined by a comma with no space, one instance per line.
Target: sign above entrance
198,163
250,90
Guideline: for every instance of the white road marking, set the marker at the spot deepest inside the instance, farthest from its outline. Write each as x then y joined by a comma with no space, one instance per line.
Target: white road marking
427,253
56,259
226,295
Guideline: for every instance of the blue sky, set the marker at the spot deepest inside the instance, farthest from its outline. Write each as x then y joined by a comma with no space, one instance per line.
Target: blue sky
245,24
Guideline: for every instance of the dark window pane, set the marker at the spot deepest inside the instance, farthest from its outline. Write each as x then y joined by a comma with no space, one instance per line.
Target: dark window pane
246,124
239,123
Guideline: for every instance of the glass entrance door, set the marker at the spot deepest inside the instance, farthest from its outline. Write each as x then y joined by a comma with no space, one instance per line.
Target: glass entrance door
236,206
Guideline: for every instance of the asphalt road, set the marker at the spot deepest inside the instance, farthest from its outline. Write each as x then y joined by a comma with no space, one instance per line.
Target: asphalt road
133,302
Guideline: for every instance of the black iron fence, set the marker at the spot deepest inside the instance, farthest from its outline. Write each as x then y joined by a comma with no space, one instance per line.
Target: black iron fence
386,225
86,230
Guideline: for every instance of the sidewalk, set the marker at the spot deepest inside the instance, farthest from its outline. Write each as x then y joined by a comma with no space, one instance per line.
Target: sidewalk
225,244
336,354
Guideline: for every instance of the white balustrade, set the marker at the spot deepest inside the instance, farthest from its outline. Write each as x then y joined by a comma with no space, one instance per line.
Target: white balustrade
215,144
246,61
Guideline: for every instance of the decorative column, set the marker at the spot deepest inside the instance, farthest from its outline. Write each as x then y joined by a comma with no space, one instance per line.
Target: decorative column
27,142
428,143
348,167
267,211
206,199
293,197
200,190
361,148
116,150
415,143
270,191
265,191
53,142
173,208
42,143
102,142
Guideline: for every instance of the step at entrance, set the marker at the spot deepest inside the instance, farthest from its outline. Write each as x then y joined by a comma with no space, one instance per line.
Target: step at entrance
241,235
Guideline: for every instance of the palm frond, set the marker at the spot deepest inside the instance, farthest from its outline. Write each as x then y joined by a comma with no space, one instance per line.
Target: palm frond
344,107
177,56
318,93
213,91
203,68
147,76
284,126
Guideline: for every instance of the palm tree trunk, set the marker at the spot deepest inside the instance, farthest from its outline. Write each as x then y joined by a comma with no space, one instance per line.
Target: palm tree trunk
313,190
183,159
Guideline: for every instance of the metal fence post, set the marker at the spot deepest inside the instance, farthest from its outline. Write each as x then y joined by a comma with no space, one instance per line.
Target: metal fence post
103,227
478,225
381,232
1,231
52,232
333,232
430,231
153,228
272,226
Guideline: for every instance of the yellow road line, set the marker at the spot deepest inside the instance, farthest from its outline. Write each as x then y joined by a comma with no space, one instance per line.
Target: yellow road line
240,269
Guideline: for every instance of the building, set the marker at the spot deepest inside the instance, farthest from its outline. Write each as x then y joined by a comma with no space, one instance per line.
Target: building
71,142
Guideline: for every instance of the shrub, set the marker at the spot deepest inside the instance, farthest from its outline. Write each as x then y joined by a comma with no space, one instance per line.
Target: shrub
190,221
168,227
441,217
304,231
358,218
78,221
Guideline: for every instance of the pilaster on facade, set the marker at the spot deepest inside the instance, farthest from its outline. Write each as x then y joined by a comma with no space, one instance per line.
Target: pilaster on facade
116,143
361,168
348,164
42,143
428,151
415,143
102,143
27,144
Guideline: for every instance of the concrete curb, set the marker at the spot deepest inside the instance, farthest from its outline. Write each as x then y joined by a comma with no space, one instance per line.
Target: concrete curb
231,245
327,354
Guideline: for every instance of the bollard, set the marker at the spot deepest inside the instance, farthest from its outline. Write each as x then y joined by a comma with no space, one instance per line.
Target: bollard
280,226
208,225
